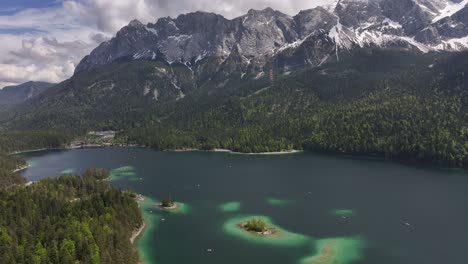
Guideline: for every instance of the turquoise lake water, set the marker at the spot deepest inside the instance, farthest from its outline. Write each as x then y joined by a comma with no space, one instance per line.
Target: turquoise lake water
328,209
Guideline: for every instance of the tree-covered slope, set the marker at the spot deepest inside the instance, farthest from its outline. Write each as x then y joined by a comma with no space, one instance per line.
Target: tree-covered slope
71,219
397,105
14,95
68,220
391,103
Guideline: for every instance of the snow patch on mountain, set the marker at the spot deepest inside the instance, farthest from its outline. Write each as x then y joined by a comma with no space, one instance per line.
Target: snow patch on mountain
257,38
450,9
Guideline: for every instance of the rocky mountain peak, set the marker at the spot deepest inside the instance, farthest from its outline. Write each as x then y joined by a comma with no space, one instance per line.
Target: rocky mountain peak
261,35
264,12
135,23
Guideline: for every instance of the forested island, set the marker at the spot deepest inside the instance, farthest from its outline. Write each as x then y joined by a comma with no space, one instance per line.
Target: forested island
258,227
168,204
68,220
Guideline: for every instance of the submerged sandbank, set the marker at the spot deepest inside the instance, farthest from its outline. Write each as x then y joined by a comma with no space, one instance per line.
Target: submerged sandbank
278,202
151,220
335,251
67,172
153,215
230,207
125,172
343,212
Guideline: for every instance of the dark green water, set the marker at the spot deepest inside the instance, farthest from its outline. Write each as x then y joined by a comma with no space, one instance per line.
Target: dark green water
374,212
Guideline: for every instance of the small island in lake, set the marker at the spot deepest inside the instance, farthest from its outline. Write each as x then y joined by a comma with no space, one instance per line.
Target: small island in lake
171,206
258,227
168,204
261,229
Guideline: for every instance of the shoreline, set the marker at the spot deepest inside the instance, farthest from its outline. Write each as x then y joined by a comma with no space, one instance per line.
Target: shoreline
273,153
91,146
174,207
283,152
286,152
37,150
23,168
137,233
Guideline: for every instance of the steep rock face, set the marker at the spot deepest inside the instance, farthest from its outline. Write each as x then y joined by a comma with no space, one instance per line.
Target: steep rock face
133,41
309,21
412,16
260,37
353,14
262,32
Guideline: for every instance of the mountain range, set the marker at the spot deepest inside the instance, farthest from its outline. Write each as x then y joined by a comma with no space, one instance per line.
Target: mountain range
309,38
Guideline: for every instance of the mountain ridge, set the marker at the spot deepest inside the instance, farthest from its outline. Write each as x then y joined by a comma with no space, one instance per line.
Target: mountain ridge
260,35
14,95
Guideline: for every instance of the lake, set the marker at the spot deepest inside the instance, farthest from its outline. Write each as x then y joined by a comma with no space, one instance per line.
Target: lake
328,209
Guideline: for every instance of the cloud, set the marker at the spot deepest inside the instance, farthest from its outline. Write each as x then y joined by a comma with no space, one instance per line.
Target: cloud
45,44
14,74
111,15
50,50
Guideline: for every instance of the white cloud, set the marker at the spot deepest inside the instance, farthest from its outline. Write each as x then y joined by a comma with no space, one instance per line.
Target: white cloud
111,15
10,73
5,84
46,44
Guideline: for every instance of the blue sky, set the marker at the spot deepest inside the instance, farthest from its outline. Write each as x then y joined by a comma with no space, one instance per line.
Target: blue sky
43,40
8,7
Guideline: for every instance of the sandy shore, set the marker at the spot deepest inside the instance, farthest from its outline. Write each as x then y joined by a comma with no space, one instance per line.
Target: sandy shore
269,153
239,153
170,150
22,168
174,207
137,233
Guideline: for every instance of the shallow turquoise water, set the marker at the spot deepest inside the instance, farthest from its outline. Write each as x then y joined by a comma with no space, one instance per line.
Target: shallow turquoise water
400,214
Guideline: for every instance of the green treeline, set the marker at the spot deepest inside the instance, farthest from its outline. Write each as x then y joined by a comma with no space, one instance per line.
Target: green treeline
431,130
30,140
400,109
71,219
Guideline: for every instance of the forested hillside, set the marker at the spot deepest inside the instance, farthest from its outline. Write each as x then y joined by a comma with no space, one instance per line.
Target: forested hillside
388,103
14,95
71,219
68,220
401,106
